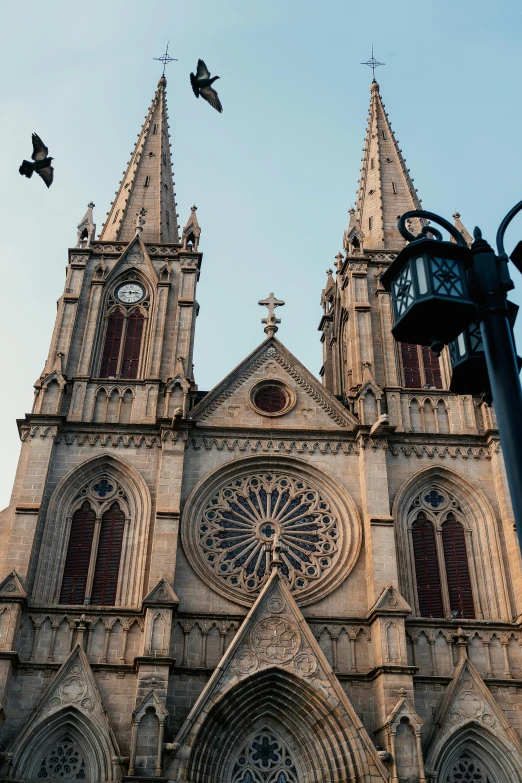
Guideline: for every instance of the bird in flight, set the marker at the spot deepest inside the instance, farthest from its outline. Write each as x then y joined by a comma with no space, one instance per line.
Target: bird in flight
202,85
42,163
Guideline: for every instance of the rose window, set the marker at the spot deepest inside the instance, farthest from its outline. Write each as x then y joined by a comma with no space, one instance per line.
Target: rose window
265,759
64,762
467,770
242,519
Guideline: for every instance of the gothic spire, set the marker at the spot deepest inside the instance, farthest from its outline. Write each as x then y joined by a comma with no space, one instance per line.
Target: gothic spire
147,183
386,189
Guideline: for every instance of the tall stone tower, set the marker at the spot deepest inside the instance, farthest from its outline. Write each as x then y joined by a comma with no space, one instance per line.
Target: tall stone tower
278,580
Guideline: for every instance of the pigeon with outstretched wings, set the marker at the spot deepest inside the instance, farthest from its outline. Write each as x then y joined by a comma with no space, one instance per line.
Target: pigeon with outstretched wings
42,163
202,82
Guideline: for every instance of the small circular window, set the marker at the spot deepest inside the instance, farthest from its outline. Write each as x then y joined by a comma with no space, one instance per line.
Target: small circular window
271,398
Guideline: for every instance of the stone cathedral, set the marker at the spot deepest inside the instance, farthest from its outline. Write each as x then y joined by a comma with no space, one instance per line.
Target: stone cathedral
281,580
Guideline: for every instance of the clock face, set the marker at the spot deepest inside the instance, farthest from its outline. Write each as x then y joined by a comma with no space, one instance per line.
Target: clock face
129,293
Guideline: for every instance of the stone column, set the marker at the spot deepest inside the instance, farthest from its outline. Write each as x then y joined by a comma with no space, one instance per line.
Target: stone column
161,734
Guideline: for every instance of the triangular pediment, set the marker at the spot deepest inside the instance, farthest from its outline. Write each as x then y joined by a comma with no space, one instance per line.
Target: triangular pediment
11,588
276,636
403,709
161,595
231,403
151,700
135,256
467,701
72,686
390,601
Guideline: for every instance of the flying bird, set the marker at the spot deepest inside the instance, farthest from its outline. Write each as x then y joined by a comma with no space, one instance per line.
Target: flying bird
42,163
202,85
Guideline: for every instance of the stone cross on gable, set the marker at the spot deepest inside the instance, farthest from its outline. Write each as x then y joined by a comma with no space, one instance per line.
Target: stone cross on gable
275,549
271,321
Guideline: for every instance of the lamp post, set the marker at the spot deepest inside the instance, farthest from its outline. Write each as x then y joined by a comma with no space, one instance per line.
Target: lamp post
439,289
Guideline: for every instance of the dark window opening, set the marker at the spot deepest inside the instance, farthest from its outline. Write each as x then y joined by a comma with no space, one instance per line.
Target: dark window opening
372,162
146,183
457,568
78,556
111,349
270,399
108,557
383,134
411,366
155,129
426,568
394,187
432,372
131,349
370,223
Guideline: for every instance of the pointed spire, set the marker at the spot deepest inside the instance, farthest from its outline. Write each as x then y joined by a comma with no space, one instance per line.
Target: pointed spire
459,225
147,183
386,189
192,231
86,229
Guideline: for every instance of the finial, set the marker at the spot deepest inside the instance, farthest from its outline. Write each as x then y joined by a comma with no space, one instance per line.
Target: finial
477,233
192,231
91,205
461,639
165,59
271,321
140,220
274,549
339,258
373,64
456,216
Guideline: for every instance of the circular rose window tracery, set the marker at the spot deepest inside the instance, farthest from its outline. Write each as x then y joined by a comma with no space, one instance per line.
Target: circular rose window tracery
228,531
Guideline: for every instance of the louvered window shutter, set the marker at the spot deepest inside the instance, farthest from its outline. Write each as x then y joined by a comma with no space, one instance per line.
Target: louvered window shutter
78,556
410,363
131,349
427,567
457,568
431,368
111,349
108,557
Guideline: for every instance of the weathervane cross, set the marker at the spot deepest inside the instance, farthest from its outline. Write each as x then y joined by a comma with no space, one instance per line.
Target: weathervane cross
271,321
373,64
166,59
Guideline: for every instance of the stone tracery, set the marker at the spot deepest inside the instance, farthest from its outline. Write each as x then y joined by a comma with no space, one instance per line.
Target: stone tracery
240,520
264,759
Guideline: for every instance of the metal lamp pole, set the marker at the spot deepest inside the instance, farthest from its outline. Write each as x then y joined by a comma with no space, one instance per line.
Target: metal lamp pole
489,283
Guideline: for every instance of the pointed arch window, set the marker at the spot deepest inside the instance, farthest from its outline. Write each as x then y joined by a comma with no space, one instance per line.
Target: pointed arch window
457,568
78,555
265,758
421,368
122,346
429,591
93,556
440,556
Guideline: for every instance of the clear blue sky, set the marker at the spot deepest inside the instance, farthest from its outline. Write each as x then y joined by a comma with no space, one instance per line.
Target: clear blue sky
273,176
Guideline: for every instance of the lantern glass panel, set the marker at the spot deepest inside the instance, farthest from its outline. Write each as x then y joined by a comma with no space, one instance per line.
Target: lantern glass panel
475,338
461,342
446,277
403,291
421,275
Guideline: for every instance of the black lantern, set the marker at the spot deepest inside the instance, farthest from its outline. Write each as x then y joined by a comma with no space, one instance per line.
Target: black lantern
428,285
468,361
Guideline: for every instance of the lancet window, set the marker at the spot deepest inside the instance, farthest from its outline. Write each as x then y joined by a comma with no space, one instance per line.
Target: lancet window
122,345
440,554
420,366
94,548
265,759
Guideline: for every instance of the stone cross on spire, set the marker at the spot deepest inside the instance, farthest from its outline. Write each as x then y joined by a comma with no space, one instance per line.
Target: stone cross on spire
271,321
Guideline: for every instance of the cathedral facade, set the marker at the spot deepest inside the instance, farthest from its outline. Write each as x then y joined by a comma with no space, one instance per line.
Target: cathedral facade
281,580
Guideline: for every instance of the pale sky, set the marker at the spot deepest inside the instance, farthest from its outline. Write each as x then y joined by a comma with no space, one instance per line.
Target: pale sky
273,176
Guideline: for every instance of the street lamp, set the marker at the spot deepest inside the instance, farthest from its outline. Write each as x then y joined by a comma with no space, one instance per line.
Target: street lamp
438,290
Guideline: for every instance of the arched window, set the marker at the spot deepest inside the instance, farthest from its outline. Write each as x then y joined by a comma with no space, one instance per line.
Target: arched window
122,347
438,537
108,557
265,758
420,366
78,555
467,769
426,567
131,349
93,556
112,347
457,569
